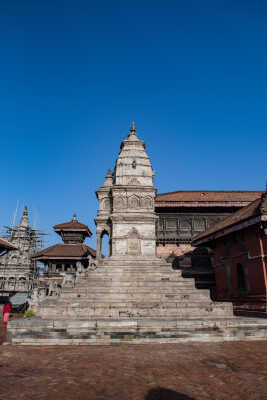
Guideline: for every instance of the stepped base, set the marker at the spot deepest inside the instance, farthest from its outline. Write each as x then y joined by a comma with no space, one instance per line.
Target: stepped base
133,289
83,332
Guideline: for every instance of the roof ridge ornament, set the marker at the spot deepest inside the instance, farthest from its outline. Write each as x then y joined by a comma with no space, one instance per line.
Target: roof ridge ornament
74,218
133,128
133,134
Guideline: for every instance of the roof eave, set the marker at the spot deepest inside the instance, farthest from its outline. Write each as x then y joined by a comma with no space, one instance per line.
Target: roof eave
230,229
45,257
87,231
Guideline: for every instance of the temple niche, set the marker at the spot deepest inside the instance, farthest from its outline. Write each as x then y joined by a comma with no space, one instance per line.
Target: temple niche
133,241
134,202
130,223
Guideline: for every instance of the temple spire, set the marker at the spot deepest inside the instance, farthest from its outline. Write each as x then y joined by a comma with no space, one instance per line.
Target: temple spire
133,128
74,217
24,222
133,134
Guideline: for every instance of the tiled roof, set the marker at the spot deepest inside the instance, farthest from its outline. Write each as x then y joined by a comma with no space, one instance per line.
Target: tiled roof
209,196
251,210
73,225
65,251
6,245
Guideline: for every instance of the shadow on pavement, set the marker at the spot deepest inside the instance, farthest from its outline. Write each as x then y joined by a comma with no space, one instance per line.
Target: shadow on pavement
165,394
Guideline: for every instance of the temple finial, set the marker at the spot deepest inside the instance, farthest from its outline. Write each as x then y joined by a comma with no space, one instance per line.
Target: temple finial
133,128
74,217
24,222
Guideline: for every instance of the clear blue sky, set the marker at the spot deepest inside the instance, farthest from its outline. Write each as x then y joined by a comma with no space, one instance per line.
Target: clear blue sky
74,74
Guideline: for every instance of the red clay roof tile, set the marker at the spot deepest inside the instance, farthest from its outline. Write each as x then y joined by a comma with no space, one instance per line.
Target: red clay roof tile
208,196
65,251
7,245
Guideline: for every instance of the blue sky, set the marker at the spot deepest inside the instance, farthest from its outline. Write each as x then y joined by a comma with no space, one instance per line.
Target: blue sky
73,75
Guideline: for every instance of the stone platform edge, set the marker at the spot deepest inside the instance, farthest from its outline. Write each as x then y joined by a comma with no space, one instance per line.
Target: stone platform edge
139,331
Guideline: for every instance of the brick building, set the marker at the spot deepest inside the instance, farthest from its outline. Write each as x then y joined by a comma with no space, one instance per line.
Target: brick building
185,214
239,245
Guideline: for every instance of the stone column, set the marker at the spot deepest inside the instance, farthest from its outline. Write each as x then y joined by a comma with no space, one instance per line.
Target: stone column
98,249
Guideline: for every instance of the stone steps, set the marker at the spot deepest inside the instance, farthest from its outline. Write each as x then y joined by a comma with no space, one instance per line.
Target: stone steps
101,331
131,291
135,284
135,310
138,296
132,304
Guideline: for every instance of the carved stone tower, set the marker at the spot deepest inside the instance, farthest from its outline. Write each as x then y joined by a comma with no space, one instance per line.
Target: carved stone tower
126,204
18,272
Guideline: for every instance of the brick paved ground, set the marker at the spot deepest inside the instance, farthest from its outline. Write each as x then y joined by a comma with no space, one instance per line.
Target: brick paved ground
236,370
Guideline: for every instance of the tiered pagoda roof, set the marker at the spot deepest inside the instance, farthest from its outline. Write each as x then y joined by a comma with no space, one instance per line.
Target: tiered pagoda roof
73,234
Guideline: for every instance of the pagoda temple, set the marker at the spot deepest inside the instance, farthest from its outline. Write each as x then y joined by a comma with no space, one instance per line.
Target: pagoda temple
70,255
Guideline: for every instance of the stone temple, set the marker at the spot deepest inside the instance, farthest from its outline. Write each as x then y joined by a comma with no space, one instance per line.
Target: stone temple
126,204
132,295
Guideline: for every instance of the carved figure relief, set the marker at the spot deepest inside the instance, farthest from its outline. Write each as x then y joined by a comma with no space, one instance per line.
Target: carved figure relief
134,181
134,202
120,202
146,202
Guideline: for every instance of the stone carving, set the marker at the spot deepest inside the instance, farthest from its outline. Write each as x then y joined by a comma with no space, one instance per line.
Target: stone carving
120,202
37,296
79,267
53,288
106,204
134,248
134,181
68,280
134,202
146,202
34,298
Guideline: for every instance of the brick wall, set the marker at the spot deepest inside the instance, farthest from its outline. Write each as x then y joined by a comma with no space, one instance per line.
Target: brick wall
231,250
165,251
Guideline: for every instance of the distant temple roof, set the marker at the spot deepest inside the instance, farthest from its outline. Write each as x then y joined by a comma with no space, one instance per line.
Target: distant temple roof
73,225
198,198
64,251
4,244
254,209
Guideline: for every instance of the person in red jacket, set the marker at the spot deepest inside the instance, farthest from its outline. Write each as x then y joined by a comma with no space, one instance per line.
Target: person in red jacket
6,312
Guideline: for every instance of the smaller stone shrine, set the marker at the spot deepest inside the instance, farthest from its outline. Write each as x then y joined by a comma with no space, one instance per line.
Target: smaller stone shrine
71,256
126,204
18,272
